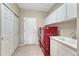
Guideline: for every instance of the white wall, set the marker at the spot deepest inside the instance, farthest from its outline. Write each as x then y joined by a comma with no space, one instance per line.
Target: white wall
78,28
78,34
67,28
40,19
0,28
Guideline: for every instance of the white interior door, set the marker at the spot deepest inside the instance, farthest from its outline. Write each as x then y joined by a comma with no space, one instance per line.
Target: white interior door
6,31
30,30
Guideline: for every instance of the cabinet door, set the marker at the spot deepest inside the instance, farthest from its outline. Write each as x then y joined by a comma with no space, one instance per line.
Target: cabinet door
64,53
61,13
48,20
71,10
52,18
61,50
56,49
53,48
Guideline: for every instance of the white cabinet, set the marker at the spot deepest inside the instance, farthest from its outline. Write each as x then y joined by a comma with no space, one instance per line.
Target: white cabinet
59,49
51,18
58,15
61,13
46,21
63,52
65,12
71,10
53,48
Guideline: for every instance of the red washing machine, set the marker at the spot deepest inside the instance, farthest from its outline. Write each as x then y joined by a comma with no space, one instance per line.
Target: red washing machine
45,33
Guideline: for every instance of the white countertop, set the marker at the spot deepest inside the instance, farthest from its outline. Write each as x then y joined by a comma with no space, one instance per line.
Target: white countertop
66,40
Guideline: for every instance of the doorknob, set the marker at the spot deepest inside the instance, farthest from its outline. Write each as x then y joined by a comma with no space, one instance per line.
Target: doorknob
34,31
2,38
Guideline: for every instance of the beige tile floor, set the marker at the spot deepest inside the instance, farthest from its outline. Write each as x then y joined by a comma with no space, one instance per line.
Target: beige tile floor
28,50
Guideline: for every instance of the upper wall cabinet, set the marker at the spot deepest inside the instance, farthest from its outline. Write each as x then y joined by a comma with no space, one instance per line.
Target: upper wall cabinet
51,18
71,10
61,13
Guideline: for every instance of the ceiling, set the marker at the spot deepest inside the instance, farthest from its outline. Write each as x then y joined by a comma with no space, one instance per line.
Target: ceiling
45,7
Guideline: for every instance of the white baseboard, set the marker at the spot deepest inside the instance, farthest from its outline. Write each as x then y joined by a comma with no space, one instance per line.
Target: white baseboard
28,44
21,44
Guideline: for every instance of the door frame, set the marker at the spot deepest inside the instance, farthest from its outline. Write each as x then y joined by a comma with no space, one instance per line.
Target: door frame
35,31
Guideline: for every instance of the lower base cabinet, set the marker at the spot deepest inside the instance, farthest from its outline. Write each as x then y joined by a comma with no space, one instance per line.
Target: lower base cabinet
58,49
